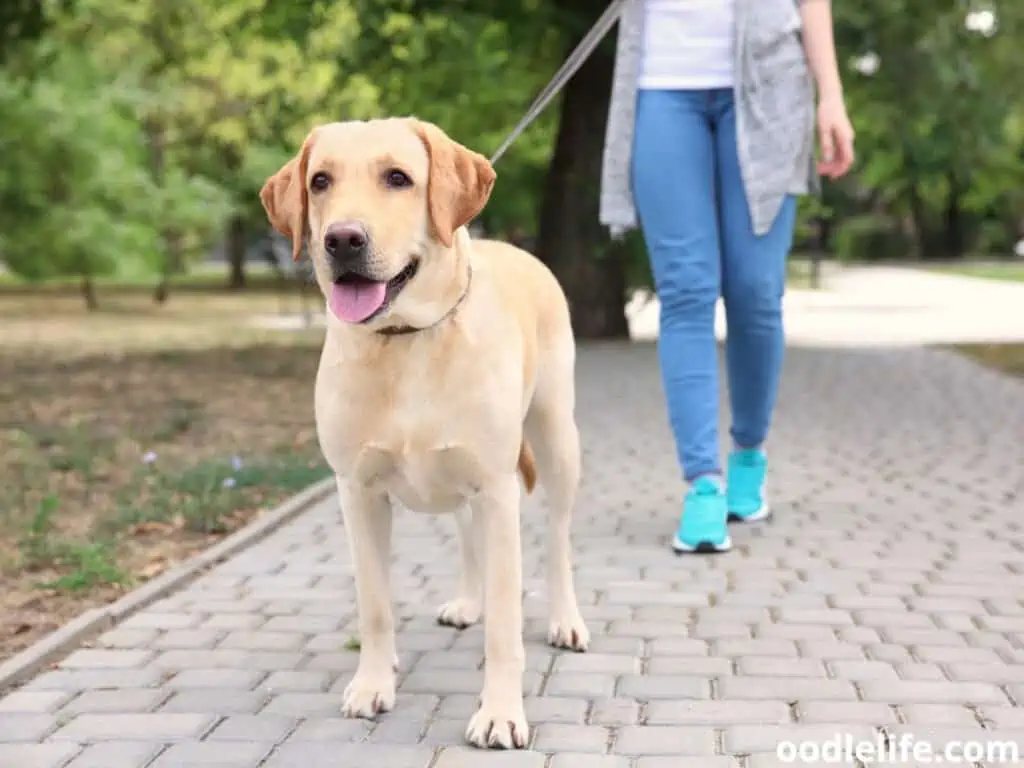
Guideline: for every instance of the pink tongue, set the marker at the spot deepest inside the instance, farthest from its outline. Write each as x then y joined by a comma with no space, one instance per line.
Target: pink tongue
355,302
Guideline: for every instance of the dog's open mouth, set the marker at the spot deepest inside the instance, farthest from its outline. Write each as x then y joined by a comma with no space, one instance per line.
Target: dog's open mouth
356,298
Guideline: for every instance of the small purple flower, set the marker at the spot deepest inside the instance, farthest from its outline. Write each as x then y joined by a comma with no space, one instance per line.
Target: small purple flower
236,463
229,482
149,457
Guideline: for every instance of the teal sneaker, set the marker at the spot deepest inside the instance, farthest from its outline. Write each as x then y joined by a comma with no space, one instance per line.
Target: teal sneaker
745,480
703,527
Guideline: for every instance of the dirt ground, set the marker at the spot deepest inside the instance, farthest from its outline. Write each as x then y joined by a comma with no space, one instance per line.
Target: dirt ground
132,437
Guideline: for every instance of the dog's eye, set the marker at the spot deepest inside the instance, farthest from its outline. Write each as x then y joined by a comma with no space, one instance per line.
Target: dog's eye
319,182
397,179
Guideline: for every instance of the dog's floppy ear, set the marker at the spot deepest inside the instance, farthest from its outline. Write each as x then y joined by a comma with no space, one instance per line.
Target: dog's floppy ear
286,199
460,182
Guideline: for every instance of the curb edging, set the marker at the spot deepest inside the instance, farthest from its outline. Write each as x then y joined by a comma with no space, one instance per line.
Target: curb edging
59,642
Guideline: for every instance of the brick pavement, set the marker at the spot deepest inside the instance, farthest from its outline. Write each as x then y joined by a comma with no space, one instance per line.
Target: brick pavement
886,596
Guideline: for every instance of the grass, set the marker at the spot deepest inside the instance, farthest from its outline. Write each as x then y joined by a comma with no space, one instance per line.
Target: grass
1008,358
1007,271
133,437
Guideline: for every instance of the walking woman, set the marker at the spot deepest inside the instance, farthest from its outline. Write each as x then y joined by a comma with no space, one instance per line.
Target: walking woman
711,134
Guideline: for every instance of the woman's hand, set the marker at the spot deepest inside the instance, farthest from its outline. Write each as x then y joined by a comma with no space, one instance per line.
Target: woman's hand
835,133
834,130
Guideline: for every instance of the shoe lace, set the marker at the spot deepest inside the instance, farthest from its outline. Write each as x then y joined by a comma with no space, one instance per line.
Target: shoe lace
702,494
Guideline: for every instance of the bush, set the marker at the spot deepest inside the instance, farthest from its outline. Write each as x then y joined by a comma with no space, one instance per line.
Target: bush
870,237
995,238
77,193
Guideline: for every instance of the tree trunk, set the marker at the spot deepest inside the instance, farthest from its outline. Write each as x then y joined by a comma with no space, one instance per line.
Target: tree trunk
919,217
88,290
823,234
571,240
821,246
954,239
174,262
236,253
156,142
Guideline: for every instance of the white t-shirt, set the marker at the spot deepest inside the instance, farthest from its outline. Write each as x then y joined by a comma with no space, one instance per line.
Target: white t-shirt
688,44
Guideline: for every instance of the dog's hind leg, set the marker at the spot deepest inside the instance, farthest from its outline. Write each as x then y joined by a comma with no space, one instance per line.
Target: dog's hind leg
552,432
467,607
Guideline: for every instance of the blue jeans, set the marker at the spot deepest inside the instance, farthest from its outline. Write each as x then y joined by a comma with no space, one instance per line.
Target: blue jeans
696,223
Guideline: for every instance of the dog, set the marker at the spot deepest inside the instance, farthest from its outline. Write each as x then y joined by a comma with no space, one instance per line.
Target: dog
446,378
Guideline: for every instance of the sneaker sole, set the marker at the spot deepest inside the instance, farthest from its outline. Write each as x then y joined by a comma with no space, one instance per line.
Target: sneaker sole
703,548
762,514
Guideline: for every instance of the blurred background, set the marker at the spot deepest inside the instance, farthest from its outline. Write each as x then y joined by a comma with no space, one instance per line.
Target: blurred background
157,345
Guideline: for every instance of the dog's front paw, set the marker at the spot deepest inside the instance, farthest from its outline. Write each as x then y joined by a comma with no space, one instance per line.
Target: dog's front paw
368,696
499,727
460,613
569,633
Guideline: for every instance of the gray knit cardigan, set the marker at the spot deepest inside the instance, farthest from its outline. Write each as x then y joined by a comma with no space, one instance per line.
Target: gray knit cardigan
774,95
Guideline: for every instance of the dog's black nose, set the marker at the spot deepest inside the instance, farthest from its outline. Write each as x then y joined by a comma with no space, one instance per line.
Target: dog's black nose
346,241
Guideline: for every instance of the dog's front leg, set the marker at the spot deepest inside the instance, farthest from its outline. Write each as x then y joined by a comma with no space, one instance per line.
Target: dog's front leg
501,720
368,519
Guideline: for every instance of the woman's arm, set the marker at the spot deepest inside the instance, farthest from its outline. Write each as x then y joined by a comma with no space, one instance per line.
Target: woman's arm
834,128
820,47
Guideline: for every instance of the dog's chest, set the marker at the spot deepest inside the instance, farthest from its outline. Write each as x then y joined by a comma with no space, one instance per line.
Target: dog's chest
435,480
421,471
431,444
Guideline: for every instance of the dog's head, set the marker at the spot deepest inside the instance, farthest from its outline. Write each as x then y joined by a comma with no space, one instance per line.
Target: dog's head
380,202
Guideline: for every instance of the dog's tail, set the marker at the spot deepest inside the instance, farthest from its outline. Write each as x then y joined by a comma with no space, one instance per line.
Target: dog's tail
527,466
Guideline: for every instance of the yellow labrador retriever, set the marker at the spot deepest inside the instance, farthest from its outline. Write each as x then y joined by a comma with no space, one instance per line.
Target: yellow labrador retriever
447,366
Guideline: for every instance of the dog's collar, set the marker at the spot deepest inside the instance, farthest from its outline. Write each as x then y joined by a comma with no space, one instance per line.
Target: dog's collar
403,330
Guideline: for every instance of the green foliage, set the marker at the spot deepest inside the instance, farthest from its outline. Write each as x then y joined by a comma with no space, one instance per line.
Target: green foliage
83,566
217,82
638,266
126,157
75,195
811,213
21,21
36,544
995,238
470,72
938,124
869,237
87,566
205,495
135,130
